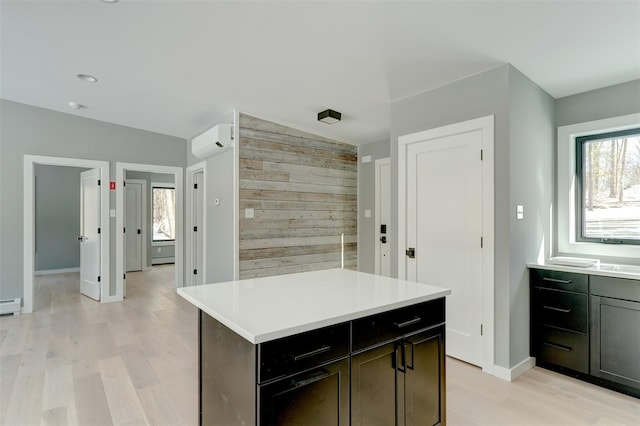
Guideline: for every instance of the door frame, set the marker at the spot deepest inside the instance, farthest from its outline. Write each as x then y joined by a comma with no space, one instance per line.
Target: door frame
379,162
28,264
177,172
486,126
189,243
143,206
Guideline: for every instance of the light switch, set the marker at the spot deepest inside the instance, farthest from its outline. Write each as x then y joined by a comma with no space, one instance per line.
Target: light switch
248,213
112,212
519,212
367,213
366,159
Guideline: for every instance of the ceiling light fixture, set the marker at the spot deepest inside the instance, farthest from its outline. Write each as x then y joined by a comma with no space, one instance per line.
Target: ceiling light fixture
75,105
88,78
109,1
329,116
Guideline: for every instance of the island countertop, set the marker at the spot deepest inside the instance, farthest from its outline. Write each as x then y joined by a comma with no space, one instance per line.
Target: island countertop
264,309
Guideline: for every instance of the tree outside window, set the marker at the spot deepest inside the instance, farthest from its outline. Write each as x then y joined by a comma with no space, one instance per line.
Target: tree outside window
164,213
609,187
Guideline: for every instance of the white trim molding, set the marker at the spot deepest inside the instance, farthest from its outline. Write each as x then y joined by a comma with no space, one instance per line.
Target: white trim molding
566,168
30,161
56,271
510,374
178,173
486,126
189,243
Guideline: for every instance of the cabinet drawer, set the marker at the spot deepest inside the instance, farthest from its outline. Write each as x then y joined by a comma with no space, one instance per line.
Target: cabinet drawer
618,288
567,281
561,309
297,353
563,348
390,325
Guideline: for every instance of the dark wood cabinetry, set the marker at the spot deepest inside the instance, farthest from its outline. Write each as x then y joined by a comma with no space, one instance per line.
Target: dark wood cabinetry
409,368
587,326
560,319
384,369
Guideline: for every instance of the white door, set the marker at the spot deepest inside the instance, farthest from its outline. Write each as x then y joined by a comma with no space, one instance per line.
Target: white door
383,217
444,227
198,229
133,226
90,234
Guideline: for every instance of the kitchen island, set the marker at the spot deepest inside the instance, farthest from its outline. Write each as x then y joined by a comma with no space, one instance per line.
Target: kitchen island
331,347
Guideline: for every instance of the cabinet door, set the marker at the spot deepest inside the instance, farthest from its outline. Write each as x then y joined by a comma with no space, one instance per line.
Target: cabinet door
316,397
374,400
615,340
425,379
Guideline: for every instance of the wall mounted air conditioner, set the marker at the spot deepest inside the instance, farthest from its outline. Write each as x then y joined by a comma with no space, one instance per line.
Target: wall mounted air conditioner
213,141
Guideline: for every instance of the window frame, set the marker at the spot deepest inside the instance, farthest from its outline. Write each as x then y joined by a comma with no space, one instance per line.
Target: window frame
579,202
563,238
161,185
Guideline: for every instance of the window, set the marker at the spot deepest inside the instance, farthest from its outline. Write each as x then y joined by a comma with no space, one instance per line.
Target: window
608,187
163,203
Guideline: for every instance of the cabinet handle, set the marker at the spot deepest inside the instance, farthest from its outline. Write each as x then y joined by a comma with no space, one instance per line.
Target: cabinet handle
323,374
554,280
408,323
551,308
562,348
312,353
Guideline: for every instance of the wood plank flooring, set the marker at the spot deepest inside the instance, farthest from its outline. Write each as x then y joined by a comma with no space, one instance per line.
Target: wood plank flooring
79,362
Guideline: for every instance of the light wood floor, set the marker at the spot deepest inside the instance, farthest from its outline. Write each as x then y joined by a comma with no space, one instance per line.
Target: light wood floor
79,362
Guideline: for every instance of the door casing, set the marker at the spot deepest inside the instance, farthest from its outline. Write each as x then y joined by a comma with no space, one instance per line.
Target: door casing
486,126
29,163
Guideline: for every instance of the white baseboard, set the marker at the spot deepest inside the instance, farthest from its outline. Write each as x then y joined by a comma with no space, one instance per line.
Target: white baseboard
163,260
510,374
56,271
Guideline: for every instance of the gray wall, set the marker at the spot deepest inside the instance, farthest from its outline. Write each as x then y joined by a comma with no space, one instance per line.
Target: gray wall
158,252
531,153
612,101
366,200
220,220
57,218
30,130
502,92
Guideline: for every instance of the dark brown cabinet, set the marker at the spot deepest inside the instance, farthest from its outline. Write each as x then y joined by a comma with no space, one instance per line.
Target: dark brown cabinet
560,319
384,369
587,326
402,381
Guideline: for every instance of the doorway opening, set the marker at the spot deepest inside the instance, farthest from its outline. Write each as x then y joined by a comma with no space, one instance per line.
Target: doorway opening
100,265
124,171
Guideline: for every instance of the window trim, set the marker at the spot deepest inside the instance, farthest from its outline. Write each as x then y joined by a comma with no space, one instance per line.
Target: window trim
565,235
579,217
160,185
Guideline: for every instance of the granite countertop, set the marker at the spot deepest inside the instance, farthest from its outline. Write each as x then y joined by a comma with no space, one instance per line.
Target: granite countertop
269,308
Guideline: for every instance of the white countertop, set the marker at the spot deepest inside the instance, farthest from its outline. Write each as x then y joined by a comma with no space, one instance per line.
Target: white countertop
269,308
605,269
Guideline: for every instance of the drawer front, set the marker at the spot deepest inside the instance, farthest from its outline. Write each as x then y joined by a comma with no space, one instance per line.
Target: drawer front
390,325
563,348
618,288
567,281
300,352
561,309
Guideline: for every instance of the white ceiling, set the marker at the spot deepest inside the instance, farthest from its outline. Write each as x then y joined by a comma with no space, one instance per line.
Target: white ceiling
179,67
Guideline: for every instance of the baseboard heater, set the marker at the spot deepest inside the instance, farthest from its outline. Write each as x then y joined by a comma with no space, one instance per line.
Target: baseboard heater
10,306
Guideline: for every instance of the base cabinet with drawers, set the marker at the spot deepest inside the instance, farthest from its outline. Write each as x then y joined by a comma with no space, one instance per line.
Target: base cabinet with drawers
384,369
587,326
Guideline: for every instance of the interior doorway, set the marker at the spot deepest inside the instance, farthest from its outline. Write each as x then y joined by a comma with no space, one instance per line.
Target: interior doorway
101,246
383,217
177,230
445,228
196,224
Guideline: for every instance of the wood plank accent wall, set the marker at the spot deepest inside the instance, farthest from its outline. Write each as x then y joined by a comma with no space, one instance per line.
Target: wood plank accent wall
303,189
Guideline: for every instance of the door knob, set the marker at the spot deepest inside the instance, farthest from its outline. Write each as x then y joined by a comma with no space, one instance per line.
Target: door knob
81,238
411,252
383,239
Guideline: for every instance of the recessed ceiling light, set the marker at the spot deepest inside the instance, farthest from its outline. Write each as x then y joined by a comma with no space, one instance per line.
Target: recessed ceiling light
75,105
88,78
109,1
